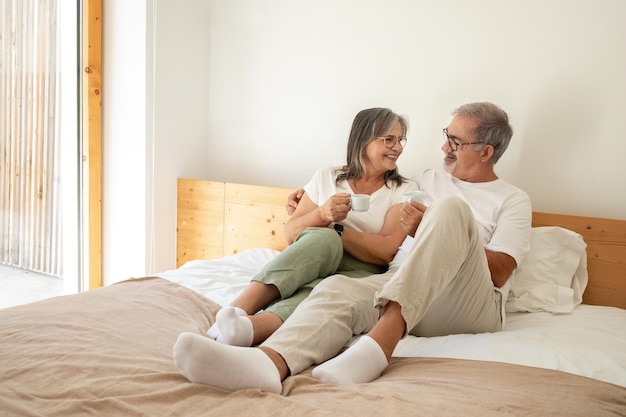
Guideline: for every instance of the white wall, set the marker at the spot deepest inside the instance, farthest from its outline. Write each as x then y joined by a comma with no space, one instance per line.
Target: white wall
124,112
265,91
286,78
154,127
180,124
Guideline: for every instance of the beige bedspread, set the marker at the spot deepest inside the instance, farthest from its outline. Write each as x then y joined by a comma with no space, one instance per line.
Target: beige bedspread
109,352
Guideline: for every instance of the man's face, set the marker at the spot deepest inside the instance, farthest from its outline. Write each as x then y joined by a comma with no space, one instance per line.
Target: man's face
464,162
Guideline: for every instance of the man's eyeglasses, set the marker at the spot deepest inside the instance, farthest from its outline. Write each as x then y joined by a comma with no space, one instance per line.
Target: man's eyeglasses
454,145
390,141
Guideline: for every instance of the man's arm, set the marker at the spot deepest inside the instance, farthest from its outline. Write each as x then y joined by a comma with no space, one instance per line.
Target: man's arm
293,199
501,266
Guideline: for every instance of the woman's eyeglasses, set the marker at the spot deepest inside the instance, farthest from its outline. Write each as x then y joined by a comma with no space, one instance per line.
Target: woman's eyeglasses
390,141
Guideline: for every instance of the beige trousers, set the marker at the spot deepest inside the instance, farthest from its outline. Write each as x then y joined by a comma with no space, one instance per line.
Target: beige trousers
444,287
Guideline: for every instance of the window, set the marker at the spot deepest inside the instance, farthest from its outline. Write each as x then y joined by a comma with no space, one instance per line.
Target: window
50,143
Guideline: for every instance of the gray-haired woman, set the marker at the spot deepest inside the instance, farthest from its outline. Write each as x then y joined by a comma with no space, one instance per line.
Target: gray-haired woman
326,237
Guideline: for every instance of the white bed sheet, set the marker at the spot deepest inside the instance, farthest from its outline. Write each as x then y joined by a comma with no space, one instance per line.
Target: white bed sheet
590,341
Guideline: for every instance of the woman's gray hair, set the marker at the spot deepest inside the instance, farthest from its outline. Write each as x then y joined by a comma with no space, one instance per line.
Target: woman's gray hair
368,125
493,126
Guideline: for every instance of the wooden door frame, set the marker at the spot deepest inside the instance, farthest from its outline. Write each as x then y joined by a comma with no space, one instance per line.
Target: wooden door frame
91,137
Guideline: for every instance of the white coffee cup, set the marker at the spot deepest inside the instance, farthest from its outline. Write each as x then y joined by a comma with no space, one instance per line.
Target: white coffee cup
360,202
417,196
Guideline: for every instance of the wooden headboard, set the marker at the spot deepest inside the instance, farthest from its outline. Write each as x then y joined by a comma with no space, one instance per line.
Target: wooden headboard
217,219
606,254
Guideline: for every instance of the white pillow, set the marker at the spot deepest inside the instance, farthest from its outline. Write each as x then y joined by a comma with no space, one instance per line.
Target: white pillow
553,275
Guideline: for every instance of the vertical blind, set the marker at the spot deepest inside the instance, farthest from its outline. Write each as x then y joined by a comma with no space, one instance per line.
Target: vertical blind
30,210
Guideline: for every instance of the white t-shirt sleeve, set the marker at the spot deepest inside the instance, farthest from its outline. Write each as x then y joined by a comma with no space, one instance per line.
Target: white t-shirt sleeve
512,233
322,186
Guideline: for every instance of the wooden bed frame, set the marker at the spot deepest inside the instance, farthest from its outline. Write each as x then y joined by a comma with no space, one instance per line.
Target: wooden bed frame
218,219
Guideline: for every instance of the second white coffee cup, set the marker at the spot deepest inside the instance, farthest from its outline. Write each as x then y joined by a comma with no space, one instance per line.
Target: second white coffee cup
360,202
417,196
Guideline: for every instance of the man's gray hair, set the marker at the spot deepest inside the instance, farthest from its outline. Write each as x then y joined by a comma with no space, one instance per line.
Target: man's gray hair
492,128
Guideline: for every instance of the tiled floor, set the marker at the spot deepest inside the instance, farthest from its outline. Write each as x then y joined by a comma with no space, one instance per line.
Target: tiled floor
19,286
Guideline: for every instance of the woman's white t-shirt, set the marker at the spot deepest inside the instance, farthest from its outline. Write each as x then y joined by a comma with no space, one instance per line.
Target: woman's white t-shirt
323,185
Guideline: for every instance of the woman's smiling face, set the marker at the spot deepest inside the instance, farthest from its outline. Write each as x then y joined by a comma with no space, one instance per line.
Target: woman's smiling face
378,157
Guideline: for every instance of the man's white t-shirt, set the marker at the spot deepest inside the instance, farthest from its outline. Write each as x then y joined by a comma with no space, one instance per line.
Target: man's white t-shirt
502,211
323,185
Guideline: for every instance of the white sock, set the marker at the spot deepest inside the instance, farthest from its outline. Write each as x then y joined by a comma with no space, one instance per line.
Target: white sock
362,362
234,329
214,330
205,361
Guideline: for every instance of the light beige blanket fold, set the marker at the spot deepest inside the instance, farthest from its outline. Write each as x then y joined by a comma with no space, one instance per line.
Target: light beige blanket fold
109,352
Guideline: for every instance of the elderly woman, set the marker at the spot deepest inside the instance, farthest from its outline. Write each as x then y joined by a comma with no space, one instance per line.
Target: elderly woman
325,235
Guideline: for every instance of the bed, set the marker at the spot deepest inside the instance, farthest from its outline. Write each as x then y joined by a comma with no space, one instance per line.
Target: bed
109,351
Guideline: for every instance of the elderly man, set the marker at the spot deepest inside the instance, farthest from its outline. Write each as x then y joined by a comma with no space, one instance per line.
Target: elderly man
450,276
